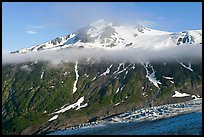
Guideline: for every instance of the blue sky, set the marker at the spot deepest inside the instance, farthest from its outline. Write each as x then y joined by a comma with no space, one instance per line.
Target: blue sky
25,24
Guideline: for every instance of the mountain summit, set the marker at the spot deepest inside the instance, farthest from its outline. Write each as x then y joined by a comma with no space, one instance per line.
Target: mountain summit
109,35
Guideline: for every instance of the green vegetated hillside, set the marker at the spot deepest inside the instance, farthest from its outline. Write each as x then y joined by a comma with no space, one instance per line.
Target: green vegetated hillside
32,91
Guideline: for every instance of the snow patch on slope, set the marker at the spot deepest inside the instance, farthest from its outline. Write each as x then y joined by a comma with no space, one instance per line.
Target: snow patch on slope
189,66
107,71
178,94
168,77
76,105
118,68
42,74
93,78
118,89
151,76
117,104
123,69
77,77
172,82
53,118
82,106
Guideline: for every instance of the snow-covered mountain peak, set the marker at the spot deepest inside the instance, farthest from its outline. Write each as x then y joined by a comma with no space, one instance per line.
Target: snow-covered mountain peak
111,35
98,27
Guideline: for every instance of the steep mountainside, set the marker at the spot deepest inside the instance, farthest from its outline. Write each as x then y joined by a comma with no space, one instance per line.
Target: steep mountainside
37,97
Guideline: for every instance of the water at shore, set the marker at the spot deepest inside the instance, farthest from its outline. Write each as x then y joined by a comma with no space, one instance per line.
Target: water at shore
171,119
185,124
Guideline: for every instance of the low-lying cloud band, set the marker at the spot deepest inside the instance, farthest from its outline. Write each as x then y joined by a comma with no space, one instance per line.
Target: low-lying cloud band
185,53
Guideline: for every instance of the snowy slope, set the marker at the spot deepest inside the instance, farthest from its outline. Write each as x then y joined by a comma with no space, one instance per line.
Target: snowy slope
108,35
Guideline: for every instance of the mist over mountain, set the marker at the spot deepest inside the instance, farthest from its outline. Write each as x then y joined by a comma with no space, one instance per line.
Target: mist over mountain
185,53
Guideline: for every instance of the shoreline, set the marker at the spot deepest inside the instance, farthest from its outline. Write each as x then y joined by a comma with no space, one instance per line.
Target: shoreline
145,114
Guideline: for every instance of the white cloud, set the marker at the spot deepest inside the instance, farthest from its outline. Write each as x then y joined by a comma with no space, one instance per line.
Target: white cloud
31,32
183,53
